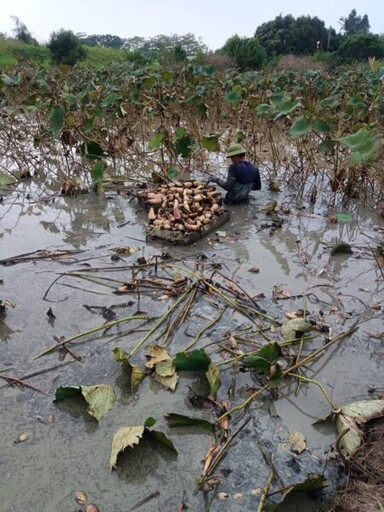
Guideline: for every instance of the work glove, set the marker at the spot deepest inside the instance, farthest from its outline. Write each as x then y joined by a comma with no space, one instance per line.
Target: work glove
212,179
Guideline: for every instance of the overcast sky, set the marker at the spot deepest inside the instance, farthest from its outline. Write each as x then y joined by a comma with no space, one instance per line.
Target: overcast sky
212,20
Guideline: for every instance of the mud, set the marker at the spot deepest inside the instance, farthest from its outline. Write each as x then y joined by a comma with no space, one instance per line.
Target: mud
72,452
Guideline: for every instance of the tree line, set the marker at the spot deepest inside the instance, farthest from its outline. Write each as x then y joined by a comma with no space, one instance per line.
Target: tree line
285,35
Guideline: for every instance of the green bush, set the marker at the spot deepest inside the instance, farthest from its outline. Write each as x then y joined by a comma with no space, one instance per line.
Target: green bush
66,48
360,47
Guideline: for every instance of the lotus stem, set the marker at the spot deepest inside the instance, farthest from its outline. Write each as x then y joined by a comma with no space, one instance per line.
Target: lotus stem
265,491
313,381
91,331
303,362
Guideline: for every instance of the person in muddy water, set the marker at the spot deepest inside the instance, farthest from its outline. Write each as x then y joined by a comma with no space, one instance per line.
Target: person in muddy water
242,177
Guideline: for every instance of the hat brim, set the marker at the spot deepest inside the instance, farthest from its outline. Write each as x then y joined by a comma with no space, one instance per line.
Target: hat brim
236,153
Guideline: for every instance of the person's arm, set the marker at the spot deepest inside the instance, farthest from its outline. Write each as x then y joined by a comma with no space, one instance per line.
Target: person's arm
230,181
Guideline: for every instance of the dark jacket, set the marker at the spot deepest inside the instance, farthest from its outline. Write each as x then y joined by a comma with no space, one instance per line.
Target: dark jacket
241,179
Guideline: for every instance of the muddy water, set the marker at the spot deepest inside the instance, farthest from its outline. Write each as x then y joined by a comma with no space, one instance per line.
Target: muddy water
72,452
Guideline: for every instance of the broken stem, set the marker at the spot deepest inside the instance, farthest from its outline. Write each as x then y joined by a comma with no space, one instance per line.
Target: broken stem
91,331
222,452
19,382
160,322
204,329
265,491
302,362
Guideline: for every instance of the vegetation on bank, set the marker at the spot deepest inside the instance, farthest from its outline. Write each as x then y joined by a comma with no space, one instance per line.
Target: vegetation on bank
304,36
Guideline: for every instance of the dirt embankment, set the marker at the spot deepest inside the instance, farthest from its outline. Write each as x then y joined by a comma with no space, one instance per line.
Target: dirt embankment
364,491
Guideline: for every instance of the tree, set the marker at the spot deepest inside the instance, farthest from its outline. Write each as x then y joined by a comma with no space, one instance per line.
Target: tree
302,36
106,41
360,47
179,54
165,44
354,24
22,33
66,48
247,52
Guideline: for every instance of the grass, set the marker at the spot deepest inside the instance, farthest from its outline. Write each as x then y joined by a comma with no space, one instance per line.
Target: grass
99,56
12,52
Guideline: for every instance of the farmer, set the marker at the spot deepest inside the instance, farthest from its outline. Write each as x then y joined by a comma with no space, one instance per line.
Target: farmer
242,177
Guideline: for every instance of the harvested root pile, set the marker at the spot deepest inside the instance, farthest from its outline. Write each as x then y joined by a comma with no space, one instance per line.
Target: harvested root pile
364,491
182,207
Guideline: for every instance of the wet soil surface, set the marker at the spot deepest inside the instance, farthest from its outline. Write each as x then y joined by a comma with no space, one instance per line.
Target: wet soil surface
64,450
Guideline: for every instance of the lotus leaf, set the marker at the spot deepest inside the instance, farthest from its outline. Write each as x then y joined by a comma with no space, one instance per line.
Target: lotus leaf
99,398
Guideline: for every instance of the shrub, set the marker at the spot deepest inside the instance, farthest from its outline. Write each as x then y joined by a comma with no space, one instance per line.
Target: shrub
66,48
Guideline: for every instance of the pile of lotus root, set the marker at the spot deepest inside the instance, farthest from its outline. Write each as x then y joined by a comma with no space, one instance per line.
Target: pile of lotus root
181,206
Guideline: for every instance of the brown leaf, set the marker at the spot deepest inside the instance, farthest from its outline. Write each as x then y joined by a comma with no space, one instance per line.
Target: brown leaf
81,497
223,408
211,453
294,314
232,342
125,288
22,437
209,484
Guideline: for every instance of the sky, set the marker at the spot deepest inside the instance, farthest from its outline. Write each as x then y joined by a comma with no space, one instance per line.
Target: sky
214,21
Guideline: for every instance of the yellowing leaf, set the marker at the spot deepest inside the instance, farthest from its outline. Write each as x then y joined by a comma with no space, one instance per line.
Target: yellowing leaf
351,417
155,355
297,442
165,368
99,398
137,375
129,437
213,376
169,382
125,437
